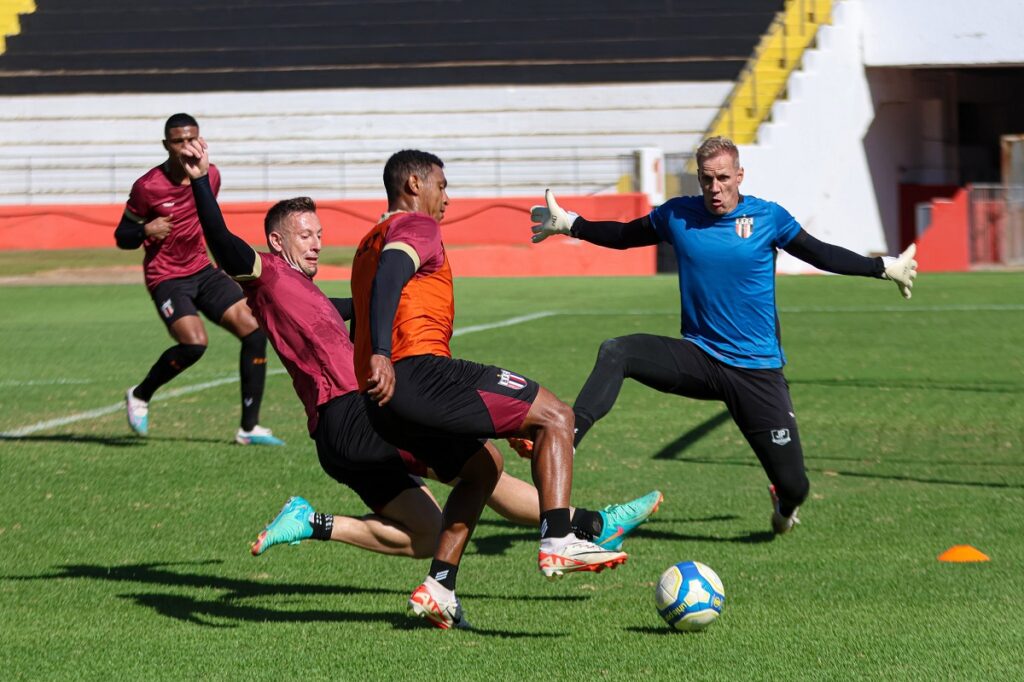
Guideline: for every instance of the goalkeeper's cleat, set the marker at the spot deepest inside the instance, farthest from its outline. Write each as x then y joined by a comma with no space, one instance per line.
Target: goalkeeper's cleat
290,525
442,614
138,412
522,446
259,435
578,556
781,524
619,520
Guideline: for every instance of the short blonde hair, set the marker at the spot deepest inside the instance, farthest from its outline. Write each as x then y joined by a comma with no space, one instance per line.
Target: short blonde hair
713,146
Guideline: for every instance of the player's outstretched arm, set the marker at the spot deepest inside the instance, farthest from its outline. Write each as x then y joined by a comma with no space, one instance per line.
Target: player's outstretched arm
553,219
902,270
234,256
832,258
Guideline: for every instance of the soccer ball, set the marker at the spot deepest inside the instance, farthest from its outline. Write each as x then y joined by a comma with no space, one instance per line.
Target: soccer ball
689,596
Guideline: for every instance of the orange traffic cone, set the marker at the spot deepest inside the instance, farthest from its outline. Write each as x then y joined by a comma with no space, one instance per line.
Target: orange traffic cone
963,554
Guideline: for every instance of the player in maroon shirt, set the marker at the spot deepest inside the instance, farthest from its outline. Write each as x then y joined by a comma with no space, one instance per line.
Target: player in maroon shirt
308,332
161,216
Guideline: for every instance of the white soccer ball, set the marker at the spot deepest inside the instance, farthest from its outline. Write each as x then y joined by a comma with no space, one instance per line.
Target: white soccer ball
689,596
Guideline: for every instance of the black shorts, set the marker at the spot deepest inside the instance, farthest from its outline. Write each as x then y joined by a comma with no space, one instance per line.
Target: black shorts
757,399
445,409
352,453
209,290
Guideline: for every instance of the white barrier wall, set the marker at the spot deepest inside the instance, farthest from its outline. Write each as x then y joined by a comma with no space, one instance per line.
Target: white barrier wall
811,158
499,140
943,32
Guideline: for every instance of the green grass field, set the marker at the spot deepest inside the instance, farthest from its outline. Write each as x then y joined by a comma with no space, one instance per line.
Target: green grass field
123,558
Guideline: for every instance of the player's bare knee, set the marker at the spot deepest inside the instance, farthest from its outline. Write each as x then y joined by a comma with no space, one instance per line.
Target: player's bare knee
550,413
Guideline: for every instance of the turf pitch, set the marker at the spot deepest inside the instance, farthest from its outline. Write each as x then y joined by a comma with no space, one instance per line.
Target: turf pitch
123,558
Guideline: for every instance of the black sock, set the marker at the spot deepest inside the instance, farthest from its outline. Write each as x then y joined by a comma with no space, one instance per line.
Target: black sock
173,362
583,424
587,524
444,573
252,369
322,524
554,523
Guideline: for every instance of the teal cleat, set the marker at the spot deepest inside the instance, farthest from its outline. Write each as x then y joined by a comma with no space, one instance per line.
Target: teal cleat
138,413
622,519
260,435
291,525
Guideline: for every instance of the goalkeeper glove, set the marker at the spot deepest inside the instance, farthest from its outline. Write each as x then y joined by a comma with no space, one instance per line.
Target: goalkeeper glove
552,219
902,270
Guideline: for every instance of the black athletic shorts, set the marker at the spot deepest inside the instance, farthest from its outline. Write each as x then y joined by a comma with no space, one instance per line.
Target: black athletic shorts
445,409
352,453
758,399
209,290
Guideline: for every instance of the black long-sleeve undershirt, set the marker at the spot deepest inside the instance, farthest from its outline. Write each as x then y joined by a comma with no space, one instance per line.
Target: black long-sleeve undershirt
641,232
615,235
832,258
129,234
233,255
394,269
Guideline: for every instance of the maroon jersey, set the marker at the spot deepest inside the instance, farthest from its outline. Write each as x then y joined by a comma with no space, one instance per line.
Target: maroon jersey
305,329
183,251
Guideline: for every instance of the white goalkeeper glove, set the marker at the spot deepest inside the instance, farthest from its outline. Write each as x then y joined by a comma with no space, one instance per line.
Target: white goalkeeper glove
902,270
552,219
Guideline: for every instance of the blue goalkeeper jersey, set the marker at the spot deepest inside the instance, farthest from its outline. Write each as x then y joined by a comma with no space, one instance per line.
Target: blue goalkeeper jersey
727,276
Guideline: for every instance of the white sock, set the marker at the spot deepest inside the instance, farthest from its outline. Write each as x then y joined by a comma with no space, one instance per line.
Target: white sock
438,591
550,545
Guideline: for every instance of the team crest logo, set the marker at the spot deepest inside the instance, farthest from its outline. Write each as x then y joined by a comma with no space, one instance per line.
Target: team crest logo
167,309
510,380
744,227
780,436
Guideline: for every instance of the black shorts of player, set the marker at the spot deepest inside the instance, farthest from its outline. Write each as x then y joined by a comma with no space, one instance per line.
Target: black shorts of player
438,398
209,290
353,454
758,399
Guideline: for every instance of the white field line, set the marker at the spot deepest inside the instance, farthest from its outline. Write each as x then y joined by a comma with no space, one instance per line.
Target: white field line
951,308
195,388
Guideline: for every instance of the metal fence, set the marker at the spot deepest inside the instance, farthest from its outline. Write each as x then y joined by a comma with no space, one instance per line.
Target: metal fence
996,225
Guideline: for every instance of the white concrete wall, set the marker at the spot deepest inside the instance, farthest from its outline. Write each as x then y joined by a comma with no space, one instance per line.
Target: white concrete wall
943,32
811,157
498,140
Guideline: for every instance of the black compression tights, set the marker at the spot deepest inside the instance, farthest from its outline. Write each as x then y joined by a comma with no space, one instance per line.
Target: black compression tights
638,357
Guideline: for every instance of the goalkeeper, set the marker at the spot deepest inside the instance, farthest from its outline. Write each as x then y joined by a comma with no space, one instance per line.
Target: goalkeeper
725,245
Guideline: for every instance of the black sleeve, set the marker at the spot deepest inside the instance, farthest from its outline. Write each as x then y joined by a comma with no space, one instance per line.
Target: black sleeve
393,271
832,258
344,307
129,234
616,235
232,253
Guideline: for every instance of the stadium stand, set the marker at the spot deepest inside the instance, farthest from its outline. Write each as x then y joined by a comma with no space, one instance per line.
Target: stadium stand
106,46
511,93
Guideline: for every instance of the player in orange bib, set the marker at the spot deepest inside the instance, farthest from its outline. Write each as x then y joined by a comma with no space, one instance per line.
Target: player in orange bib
416,392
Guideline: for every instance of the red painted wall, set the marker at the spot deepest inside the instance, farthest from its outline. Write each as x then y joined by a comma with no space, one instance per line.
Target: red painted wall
943,247
486,237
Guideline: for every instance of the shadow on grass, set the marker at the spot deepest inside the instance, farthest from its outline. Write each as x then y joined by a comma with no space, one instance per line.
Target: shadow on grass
680,445
126,441
674,451
663,631
112,441
226,606
499,544
913,384
200,611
